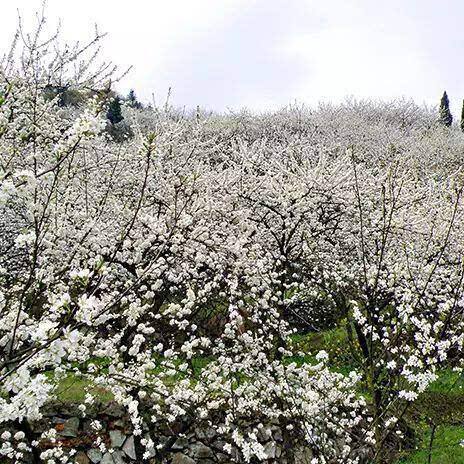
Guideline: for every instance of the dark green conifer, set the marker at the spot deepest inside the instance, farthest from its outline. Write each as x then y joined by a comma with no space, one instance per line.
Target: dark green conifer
132,100
445,116
462,117
114,113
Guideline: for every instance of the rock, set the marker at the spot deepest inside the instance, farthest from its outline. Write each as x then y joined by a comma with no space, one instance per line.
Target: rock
120,424
58,420
113,458
180,444
264,434
118,457
114,410
69,428
117,438
180,458
278,435
107,459
201,451
303,456
206,434
86,427
70,409
81,458
162,440
40,426
270,450
49,410
219,445
95,455
129,448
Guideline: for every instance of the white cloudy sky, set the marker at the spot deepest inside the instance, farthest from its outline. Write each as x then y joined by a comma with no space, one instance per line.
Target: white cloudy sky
261,54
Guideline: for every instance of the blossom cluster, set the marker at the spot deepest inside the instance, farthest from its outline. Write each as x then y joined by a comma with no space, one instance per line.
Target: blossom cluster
174,267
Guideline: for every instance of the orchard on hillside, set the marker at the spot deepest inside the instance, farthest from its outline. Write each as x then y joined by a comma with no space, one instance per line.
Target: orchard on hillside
220,238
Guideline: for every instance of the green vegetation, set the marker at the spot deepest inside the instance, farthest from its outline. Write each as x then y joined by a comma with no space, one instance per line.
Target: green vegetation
446,448
446,117
73,389
132,100
462,116
114,113
438,413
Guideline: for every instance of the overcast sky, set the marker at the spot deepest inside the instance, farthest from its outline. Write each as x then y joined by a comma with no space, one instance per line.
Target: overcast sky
263,54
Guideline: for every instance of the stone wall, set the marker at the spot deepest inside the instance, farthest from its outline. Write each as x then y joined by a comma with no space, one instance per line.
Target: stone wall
72,430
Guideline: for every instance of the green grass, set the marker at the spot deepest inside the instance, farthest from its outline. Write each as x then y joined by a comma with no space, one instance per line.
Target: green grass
333,341
446,447
72,389
448,381
442,404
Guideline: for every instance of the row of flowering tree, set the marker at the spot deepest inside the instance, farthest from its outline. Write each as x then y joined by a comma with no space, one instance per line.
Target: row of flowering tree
205,239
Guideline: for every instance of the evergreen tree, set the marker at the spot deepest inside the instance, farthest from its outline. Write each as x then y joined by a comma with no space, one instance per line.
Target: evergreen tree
445,118
114,113
132,100
462,116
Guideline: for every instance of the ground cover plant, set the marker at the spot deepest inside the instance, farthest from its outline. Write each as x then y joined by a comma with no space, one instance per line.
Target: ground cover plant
299,269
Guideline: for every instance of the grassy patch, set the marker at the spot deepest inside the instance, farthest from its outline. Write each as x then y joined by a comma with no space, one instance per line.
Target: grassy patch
72,389
446,447
442,404
335,342
448,381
